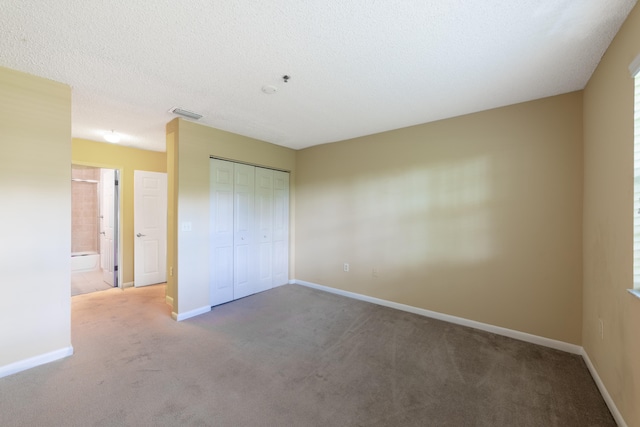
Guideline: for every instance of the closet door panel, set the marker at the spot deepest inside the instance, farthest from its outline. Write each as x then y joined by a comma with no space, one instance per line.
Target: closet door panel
264,228
244,230
221,228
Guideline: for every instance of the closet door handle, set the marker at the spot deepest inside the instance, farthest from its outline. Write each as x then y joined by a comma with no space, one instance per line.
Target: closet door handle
140,235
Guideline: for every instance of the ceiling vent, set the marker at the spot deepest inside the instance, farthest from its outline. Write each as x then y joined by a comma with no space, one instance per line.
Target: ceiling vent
185,113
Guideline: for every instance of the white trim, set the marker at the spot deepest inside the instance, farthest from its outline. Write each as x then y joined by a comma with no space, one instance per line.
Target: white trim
522,336
634,67
191,313
127,285
168,300
603,391
32,362
292,282
634,292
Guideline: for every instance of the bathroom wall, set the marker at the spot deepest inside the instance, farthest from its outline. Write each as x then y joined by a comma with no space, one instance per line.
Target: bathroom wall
84,210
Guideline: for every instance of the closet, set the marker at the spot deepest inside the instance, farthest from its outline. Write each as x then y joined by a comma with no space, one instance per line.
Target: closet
249,230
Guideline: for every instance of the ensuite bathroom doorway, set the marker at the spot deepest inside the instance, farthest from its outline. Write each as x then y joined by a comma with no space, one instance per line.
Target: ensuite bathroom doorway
94,229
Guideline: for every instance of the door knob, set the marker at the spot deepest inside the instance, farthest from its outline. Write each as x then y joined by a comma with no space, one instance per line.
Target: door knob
103,233
140,235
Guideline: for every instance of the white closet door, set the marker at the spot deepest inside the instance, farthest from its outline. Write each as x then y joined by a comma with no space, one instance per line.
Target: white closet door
249,230
280,228
264,229
243,233
221,232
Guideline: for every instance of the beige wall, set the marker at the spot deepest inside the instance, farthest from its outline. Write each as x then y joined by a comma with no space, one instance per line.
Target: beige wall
477,216
608,223
190,146
35,216
126,159
172,214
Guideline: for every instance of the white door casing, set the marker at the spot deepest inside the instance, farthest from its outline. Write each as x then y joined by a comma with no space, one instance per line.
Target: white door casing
150,227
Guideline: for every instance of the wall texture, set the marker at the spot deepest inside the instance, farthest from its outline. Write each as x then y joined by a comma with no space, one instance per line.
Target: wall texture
126,159
478,216
608,223
35,217
189,147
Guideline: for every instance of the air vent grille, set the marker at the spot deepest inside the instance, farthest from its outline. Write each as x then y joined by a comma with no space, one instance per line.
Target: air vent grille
185,113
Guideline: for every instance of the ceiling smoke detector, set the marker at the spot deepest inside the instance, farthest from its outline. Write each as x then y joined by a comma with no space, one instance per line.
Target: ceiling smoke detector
269,89
185,113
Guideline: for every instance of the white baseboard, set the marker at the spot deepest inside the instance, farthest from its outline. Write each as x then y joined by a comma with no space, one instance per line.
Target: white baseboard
191,313
168,300
126,285
32,362
522,336
603,390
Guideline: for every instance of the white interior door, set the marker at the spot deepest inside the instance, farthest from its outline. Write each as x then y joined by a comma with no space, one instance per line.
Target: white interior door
264,229
107,225
150,227
221,229
243,233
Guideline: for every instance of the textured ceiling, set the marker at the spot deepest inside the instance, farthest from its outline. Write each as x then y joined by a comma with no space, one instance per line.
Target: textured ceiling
357,67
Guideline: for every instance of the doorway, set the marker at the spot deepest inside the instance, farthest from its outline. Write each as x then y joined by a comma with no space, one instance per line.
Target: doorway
94,230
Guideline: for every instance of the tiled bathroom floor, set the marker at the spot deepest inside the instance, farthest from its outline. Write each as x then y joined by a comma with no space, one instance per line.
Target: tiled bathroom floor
87,281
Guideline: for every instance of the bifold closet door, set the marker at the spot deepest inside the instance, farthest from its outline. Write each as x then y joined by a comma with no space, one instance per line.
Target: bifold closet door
249,230
232,260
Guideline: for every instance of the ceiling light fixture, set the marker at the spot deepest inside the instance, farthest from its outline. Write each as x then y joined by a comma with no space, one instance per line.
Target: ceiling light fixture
112,137
185,113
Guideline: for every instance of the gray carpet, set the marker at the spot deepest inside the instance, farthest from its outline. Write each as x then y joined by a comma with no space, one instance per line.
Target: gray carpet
293,356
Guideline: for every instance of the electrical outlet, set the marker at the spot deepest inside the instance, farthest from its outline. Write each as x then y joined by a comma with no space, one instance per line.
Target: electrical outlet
346,267
170,271
374,272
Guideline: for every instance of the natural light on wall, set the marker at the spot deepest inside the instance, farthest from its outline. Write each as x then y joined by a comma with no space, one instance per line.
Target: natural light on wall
635,71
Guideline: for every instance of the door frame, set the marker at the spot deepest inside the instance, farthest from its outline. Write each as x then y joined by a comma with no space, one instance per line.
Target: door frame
118,283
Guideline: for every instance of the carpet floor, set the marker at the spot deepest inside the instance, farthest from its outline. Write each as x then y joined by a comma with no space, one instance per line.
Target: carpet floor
293,356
